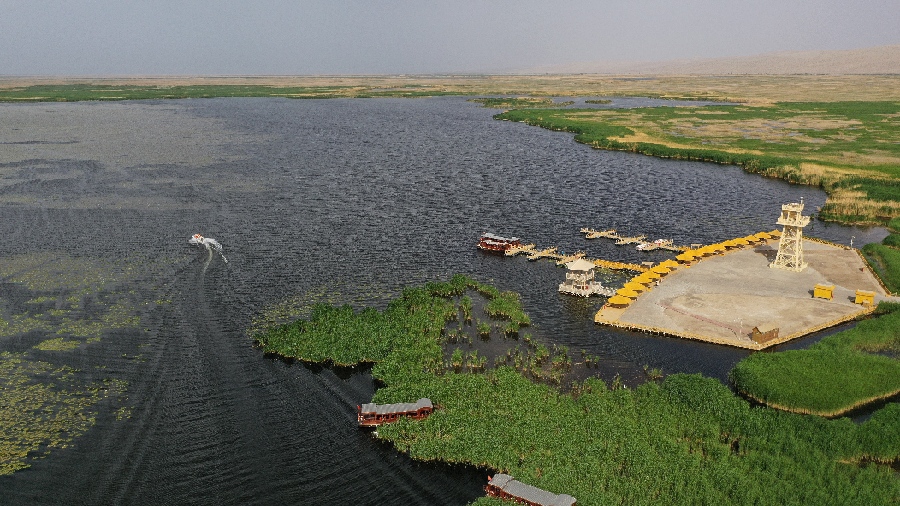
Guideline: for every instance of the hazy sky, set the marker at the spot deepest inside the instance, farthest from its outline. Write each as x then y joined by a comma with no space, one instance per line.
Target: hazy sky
292,37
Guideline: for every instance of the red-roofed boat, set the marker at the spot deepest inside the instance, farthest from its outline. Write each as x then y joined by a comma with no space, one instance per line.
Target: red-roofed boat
496,244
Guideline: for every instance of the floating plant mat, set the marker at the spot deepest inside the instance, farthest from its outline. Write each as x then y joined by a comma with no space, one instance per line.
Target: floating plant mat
52,304
44,407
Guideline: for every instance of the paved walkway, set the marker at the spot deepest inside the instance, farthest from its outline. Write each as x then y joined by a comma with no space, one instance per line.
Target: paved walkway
724,297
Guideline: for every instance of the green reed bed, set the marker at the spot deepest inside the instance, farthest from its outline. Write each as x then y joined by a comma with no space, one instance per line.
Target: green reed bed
685,440
507,305
844,371
885,261
404,339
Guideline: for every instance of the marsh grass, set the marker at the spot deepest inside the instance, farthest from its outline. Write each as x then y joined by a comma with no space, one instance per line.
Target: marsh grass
885,261
684,440
838,374
755,89
117,92
520,102
850,149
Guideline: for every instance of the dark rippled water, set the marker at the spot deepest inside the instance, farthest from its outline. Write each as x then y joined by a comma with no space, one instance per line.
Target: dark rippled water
349,200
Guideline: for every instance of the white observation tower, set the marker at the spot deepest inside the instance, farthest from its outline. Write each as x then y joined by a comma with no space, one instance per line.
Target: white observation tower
790,248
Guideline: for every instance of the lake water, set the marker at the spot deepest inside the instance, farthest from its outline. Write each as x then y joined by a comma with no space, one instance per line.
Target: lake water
333,200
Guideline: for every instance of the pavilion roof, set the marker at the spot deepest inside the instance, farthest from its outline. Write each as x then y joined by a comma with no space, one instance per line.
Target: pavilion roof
580,264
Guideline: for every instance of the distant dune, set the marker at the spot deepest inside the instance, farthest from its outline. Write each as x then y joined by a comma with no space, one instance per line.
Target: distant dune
873,60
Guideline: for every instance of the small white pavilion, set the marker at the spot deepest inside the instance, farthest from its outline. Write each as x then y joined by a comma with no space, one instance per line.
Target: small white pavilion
580,280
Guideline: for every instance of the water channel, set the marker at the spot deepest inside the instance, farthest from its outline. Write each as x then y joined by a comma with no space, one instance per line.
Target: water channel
344,201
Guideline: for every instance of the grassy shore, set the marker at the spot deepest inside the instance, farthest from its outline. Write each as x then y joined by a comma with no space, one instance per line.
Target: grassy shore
844,371
747,89
685,440
885,257
850,149
520,102
113,92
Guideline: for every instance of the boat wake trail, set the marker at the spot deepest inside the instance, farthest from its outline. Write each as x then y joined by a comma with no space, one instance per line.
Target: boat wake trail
210,244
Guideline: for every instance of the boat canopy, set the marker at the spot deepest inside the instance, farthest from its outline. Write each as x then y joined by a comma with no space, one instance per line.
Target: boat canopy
403,407
498,238
529,493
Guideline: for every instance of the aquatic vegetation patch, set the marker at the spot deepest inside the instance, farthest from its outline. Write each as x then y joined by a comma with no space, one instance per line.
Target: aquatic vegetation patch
58,344
85,301
43,408
685,440
48,271
59,303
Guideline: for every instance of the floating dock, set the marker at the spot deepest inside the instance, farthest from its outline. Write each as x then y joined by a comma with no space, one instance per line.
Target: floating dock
533,253
515,250
597,234
666,244
631,240
544,253
640,240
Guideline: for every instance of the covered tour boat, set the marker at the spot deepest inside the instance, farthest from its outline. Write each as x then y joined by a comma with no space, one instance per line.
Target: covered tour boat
497,244
373,415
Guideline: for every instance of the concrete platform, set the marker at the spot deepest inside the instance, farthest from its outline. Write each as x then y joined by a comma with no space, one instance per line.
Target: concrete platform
720,299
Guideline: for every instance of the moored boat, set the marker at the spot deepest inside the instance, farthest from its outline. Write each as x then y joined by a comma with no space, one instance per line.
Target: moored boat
373,415
497,244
